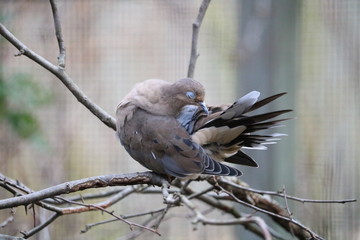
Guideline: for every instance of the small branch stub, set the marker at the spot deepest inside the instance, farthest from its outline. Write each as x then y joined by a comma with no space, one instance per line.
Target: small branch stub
58,33
195,35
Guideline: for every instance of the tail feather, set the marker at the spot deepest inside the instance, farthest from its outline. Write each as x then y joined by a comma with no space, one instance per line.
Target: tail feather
213,167
230,120
265,101
241,158
264,125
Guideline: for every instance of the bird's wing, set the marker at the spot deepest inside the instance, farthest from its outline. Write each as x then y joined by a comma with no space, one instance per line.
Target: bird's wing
161,144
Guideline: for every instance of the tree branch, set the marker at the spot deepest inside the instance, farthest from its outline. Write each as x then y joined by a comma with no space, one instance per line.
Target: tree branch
131,224
60,73
58,33
199,217
8,219
195,35
283,195
265,205
153,212
41,226
79,185
104,204
218,205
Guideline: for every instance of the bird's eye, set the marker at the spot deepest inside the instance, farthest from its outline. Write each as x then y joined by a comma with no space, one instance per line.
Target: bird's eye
190,95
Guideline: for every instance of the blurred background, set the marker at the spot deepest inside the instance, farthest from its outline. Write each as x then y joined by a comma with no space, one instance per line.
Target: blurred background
308,48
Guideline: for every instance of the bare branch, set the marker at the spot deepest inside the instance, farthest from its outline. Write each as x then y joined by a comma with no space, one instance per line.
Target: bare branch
9,219
96,195
58,33
264,205
104,204
82,184
287,209
41,226
219,205
282,194
60,73
199,217
131,224
153,212
195,35
134,234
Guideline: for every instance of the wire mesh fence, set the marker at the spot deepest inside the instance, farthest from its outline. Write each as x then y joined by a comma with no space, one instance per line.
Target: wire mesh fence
308,48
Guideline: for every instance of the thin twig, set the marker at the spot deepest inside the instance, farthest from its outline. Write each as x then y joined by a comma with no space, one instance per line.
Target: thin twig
280,194
195,35
199,217
131,224
41,226
288,210
19,189
220,206
91,225
58,33
104,204
9,219
288,219
87,196
134,234
195,195
6,181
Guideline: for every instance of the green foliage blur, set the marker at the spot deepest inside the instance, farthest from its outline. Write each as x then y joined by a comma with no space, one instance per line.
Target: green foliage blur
20,96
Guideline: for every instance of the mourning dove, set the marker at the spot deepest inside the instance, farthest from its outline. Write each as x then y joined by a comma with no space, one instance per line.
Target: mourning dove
168,129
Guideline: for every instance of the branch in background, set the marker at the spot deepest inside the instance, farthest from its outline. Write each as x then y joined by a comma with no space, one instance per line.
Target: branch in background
60,73
104,204
214,203
200,218
195,35
265,205
58,33
95,206
8,219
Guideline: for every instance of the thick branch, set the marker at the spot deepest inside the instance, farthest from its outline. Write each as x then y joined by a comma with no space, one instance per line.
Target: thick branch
60,73
58,33
82,184
195,35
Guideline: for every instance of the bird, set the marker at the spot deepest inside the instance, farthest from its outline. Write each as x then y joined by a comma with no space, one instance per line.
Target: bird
168,128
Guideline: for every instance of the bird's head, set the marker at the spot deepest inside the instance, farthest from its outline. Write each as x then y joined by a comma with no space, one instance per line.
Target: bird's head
163,98
184,92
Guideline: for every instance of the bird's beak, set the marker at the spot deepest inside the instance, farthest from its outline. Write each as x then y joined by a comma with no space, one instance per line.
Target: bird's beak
203,106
